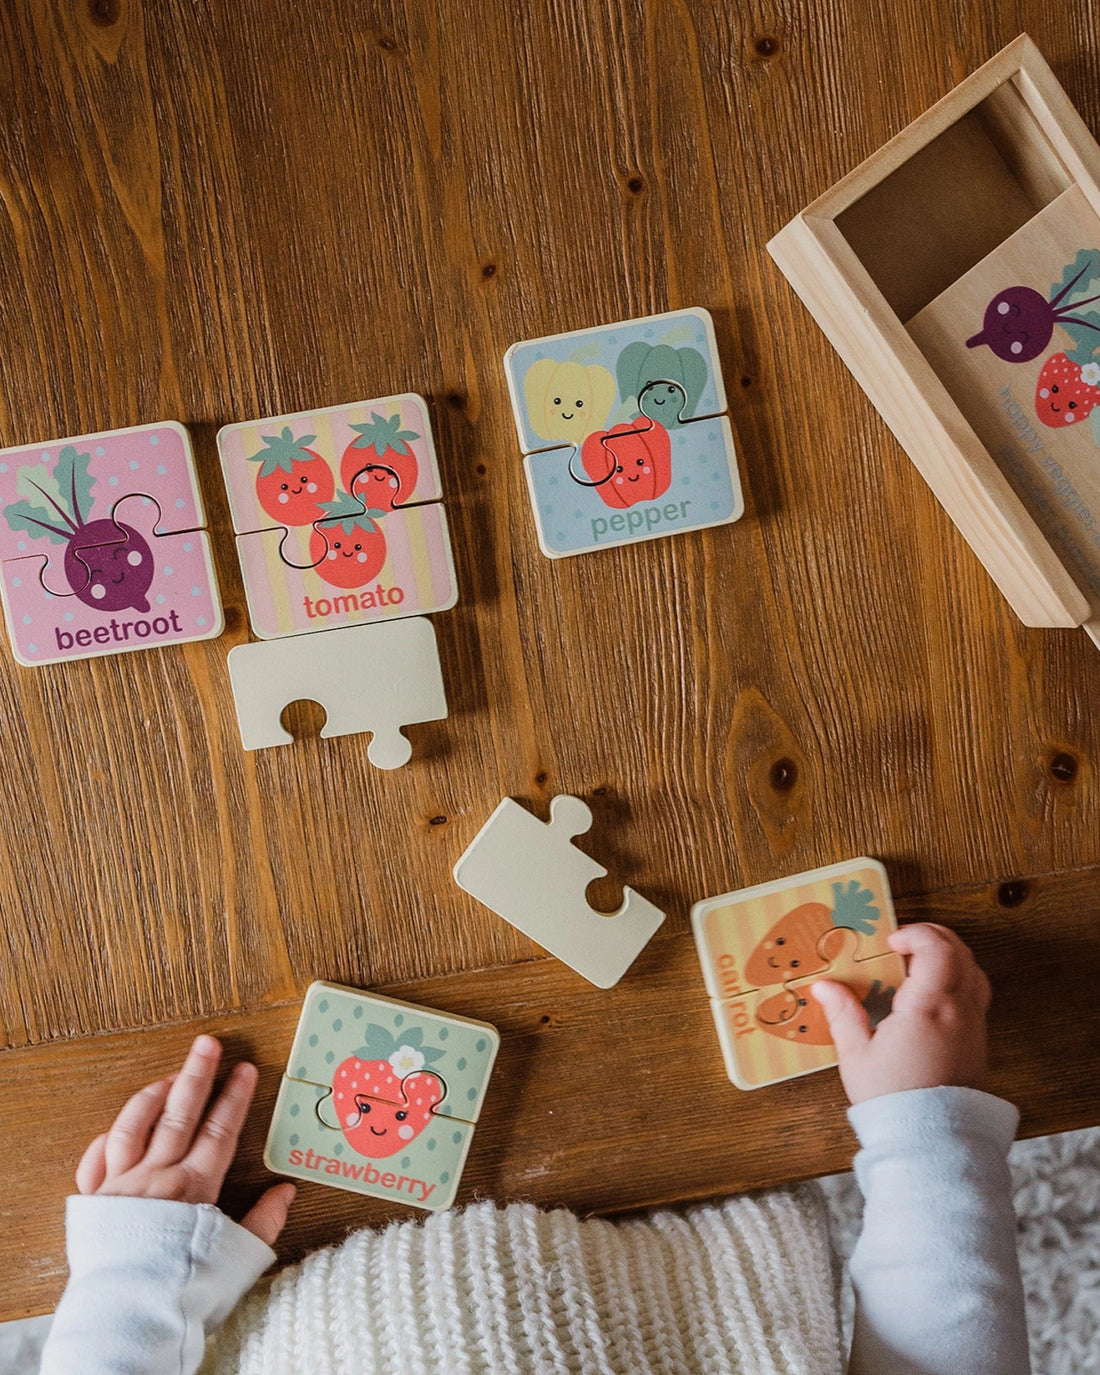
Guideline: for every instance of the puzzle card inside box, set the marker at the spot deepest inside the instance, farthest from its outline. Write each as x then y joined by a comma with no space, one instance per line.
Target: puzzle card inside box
101,545
762,948
380,1097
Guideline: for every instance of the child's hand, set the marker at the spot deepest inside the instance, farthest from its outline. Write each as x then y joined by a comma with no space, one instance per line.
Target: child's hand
935,1034
163,1144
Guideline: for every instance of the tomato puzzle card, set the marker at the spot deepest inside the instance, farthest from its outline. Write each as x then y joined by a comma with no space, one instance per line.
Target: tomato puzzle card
380,1097
338,517
101,545
624,432
763,947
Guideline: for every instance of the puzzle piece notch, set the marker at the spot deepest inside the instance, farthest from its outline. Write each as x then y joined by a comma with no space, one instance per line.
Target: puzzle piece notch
375,1106
377,677
529,872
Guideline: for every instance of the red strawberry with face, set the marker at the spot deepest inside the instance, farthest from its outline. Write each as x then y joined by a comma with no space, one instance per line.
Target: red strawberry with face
1066,392
293,482
379,464
349,547
380,1111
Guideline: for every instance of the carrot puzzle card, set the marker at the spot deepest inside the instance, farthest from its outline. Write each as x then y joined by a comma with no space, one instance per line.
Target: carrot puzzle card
338,516
624,432
380,1097
763,947
101,545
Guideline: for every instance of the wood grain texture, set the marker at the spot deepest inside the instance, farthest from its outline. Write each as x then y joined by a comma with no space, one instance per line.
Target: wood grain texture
212,211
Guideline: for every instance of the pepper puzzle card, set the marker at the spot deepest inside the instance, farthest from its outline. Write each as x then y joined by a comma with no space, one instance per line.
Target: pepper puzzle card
1016,341
761,949
380,1097
101,545
338,517
624,432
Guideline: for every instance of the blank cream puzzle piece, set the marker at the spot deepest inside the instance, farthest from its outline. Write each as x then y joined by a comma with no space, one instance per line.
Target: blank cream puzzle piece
370,677
529,873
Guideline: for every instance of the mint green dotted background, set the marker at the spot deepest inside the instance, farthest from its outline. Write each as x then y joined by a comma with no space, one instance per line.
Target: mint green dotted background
334,1025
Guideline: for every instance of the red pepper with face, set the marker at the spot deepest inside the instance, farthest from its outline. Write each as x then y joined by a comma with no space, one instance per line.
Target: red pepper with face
628,463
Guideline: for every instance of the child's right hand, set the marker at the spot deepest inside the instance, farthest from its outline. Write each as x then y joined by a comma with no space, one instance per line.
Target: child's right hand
935,1034
167,1143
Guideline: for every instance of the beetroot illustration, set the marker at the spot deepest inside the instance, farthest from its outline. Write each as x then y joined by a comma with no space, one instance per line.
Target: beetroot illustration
108,564
1019,321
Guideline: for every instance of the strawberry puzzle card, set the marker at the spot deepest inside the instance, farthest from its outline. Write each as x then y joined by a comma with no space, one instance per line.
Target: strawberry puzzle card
624,432
101,545
338,516
763,947
380,1097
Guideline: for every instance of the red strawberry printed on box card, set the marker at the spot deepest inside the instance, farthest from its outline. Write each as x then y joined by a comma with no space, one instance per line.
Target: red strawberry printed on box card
383,1095
379,464
1066,391
294,482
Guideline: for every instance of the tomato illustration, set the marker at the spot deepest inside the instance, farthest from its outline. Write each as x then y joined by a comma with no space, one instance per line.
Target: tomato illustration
349,547
293,483
379,464
628,464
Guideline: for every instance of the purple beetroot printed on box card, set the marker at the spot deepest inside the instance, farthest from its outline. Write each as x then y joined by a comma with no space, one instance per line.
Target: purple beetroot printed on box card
100,549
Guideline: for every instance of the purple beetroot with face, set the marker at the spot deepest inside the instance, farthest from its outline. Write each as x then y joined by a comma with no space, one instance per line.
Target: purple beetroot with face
110,577
108,564
1019,321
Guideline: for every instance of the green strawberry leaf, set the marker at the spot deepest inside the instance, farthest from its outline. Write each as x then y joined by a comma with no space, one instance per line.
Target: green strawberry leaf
380,1044
1084,329
283,452
75,481
381,434
854,907
431,1054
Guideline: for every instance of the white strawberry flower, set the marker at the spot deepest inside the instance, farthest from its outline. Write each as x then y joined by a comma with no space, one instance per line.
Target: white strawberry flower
1090,373
406,1060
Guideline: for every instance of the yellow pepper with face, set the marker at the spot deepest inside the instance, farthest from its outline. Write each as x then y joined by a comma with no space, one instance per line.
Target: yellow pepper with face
567,401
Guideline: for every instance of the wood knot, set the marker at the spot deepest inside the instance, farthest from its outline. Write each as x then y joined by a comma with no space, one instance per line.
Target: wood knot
104,13
783,775
768,46
1013,893
1063,766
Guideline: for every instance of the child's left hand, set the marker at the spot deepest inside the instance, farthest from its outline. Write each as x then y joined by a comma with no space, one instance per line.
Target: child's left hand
164,1144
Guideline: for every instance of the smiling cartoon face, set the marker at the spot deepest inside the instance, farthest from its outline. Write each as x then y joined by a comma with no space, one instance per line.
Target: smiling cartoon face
567,401
379,1111
663,401
1066,392
790,949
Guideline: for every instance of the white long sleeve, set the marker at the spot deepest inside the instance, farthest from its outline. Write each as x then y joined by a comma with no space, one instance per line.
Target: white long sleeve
935,1272
148,1281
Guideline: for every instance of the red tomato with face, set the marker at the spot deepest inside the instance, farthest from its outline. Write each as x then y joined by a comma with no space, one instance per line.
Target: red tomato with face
629,463
293,482
379,464
348,548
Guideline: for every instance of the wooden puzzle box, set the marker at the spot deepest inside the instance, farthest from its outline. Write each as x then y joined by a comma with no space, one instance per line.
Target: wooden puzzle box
957,273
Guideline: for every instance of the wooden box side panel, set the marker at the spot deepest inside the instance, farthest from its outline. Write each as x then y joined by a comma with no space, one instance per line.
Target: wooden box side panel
822,269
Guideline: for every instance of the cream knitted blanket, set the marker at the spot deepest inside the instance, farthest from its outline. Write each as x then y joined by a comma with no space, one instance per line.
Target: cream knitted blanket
746,1286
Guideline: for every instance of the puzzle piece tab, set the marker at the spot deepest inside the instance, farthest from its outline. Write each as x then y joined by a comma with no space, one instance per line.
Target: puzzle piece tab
380,1097
332,516
624,433
529,873
100,546
368,678
761,949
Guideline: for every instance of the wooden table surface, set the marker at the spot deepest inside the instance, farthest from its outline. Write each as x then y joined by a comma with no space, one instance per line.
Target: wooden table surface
214,211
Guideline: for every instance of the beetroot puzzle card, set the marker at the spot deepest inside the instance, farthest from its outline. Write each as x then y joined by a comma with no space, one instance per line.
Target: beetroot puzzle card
101,545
